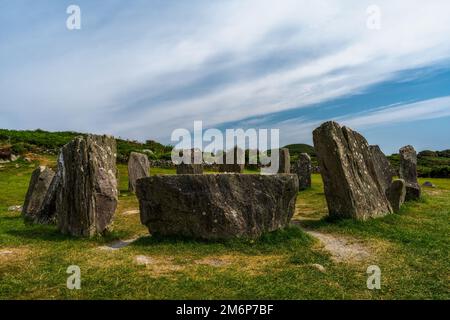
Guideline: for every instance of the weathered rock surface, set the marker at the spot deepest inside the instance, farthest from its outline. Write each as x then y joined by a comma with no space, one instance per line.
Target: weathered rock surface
216,206
38,206
351,184
284,165
383,169
87,196
233,161
195,166
302,168
396,194
408,172
138,167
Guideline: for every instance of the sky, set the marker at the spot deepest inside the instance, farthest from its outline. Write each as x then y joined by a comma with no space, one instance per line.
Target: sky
140,69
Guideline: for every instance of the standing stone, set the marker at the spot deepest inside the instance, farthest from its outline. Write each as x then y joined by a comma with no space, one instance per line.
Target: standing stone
87,198
233,161
396,194
284,164
196,165
351,184
408,172
138,167
36,207
383,168
302,168
216,206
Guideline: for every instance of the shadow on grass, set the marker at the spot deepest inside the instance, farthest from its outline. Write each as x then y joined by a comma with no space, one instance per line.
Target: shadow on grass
278,238
51,234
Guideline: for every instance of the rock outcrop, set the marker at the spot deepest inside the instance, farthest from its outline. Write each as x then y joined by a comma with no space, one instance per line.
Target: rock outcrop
352,188
40,198
138,167
216,206
302,168
87,196
408,172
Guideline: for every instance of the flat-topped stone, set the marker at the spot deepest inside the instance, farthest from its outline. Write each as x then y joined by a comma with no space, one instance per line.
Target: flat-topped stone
216,206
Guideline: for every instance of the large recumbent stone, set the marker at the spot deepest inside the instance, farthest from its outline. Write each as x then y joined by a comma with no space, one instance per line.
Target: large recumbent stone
216,206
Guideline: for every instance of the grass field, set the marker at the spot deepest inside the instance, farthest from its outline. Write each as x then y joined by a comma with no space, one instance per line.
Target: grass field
411,248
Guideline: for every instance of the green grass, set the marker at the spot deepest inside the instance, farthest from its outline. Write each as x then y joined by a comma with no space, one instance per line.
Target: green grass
411,248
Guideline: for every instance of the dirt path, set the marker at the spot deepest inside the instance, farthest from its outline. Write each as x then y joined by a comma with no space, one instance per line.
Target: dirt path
341,248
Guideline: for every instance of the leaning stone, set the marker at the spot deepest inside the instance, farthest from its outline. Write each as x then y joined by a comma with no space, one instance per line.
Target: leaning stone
408,172
87,197
15,208
396,194
48,215
383,168
216,206
351,185
138,167
34,207
302,168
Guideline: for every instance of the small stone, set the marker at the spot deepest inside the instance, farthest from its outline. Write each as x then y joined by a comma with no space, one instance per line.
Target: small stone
15,208
319,267
429,184
130,212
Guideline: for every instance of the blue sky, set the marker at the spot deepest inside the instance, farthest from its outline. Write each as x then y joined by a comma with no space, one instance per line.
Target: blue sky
140,69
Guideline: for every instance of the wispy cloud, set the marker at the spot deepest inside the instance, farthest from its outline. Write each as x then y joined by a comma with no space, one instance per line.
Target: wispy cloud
300,129
422,110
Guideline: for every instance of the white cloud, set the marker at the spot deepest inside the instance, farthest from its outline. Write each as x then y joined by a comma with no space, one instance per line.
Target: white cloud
109,82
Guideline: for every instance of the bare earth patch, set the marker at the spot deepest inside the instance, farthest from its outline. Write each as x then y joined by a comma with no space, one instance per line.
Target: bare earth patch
13,254
158,266
342,249
213,261
164,265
